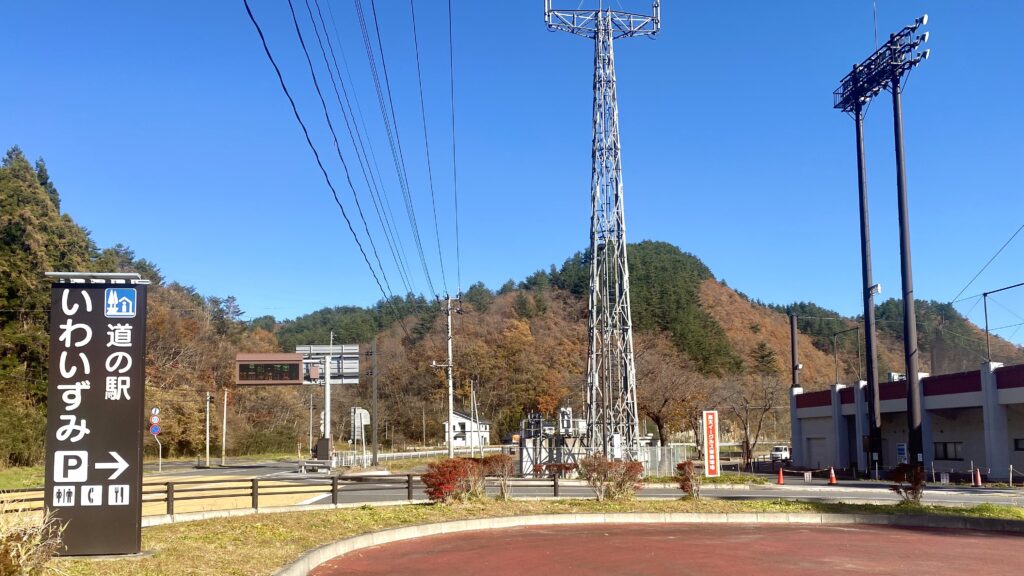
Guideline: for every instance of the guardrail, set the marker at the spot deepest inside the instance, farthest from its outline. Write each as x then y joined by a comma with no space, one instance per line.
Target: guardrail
254,493
349,458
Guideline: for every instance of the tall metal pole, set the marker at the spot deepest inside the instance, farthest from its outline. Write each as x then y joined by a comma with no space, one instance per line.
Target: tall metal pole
310,425
792,349
988,343
224,431
868,294
376,444
835,355
910,351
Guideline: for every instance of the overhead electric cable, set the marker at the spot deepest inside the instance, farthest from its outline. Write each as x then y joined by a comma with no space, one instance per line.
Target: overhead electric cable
375,172
455,168
352,138
319,162
394,139
334,136
426,142
1001,248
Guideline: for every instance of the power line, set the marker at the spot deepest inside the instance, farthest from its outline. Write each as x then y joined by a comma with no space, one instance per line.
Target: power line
394,138
316,156
334,136
455,168
1001,248
355,146
379,180
426,141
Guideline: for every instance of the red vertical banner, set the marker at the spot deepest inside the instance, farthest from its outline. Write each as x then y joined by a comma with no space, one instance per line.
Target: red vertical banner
711,467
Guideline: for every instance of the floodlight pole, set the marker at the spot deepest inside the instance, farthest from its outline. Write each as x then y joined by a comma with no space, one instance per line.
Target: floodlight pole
884,69
868,293
910,351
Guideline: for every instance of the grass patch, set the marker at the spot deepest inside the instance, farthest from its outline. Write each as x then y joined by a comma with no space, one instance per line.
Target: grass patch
261,544
21,477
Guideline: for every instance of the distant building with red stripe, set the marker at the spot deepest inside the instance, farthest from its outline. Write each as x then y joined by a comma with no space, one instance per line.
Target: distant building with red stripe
968,417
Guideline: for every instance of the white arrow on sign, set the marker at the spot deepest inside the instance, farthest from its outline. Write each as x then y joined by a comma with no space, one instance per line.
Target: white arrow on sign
118,467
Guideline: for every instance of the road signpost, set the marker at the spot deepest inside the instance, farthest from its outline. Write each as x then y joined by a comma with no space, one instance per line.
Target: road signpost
154,429
711,456
94,429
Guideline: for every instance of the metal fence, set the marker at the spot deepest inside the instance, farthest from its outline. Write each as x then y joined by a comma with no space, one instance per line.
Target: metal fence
258,494
350,458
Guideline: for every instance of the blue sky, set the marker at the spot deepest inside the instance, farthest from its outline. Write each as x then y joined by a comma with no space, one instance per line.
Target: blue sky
164,129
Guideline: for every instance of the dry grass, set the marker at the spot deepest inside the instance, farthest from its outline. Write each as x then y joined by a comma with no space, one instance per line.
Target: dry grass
260,544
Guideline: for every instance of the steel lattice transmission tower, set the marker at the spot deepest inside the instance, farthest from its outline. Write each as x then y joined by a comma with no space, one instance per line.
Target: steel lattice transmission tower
612,420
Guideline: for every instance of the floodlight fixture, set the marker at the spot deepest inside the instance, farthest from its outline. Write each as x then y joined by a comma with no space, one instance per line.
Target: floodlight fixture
883,68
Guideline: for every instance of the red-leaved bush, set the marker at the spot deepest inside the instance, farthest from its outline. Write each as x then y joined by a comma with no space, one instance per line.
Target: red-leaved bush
611,478
501,466
453,479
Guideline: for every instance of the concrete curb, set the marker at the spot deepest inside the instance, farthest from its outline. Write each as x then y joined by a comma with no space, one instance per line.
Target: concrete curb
317,556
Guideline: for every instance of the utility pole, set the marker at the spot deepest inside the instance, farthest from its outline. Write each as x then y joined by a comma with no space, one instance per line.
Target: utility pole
450,427
328,362
209,401
612,420
373,421
224,431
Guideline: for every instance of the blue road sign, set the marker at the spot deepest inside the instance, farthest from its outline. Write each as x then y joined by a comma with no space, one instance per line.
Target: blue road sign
154,429
119,303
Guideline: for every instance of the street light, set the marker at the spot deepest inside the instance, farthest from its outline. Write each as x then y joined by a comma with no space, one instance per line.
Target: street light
884,69
835,349
984,297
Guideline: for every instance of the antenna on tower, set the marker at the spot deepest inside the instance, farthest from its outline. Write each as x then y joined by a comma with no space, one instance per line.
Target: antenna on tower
611,406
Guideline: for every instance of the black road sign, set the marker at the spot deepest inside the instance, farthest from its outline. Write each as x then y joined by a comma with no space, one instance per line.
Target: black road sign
94,428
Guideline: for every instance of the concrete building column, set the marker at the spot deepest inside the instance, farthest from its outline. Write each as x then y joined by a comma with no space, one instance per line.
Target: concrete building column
997,444
860,420
796,441
840,430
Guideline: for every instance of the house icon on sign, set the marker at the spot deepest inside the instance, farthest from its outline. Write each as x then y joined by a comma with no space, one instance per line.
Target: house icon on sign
120,303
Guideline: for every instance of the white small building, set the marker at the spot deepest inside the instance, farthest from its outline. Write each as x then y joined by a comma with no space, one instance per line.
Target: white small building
468,432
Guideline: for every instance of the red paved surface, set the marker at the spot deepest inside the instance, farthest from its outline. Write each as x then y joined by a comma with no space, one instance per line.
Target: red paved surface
705,549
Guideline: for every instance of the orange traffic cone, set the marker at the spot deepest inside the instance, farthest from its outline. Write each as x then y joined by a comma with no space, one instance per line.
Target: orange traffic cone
781,480
832,476
976,481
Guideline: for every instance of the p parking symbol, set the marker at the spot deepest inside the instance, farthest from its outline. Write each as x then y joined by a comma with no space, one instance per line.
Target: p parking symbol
70,466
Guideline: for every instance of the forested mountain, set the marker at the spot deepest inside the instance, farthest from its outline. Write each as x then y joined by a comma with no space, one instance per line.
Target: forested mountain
699,344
